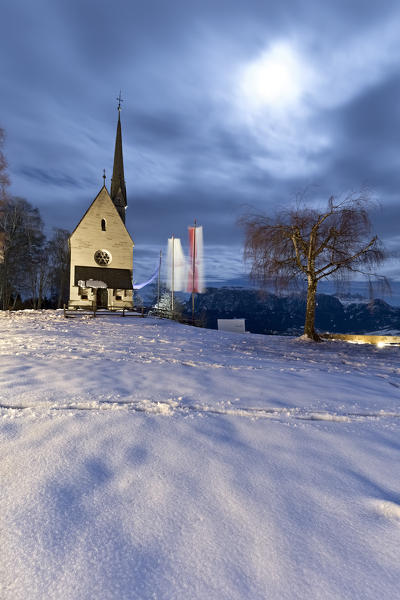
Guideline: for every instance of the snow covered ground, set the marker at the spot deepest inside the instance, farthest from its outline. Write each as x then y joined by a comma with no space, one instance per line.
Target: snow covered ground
146,459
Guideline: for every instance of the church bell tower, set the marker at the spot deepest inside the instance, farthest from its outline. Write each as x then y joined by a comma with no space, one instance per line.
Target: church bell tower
101,247
118,189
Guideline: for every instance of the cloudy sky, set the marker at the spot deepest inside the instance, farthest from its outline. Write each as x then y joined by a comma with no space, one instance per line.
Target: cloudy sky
227,104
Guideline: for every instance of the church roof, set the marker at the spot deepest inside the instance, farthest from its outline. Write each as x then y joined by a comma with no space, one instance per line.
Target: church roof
118,189
102,194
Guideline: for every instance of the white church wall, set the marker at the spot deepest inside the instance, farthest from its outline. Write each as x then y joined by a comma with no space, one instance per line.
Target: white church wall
101,228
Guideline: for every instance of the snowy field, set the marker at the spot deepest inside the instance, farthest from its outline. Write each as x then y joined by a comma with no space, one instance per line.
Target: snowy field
144,459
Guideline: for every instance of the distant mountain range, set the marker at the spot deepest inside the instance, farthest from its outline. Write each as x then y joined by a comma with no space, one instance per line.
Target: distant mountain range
271,314
356,290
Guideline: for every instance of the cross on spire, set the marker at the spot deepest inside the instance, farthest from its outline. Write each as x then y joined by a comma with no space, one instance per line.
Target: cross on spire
104,177
119,101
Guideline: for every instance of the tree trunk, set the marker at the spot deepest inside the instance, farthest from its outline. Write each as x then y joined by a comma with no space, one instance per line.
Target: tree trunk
61,283
309,326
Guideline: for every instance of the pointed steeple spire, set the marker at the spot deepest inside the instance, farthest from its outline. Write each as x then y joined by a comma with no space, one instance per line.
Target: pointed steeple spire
118,190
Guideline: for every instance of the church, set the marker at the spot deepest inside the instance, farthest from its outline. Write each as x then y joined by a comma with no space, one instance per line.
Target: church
101,263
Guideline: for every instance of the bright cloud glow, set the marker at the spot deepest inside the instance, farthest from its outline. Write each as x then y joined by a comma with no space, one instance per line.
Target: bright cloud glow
272,99
276,79
280,94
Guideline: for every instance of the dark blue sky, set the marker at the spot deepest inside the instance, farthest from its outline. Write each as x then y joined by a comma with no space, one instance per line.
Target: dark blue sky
227,104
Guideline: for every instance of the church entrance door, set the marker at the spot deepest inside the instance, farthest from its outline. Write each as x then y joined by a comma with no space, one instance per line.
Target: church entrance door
102,298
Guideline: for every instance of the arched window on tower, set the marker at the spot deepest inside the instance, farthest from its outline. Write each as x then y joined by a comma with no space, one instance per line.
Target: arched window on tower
103,224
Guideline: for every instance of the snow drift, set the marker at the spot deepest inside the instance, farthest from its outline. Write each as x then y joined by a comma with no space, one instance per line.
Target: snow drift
146,459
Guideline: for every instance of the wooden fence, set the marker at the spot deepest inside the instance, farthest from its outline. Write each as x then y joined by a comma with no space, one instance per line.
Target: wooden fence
93,311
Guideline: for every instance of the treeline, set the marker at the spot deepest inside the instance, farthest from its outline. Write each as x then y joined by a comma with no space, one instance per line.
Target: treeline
34,271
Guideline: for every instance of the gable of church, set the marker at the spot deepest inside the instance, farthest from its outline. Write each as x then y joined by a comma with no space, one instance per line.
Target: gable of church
101,247
102,221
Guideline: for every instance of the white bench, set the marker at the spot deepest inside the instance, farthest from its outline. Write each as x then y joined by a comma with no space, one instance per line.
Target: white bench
232,325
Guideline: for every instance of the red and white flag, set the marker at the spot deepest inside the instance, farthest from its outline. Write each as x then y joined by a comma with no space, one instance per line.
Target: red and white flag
195,266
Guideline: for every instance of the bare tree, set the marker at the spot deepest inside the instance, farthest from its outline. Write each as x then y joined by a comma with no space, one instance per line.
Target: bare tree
21,270
28,266
310,245
58,254
4,181
35,273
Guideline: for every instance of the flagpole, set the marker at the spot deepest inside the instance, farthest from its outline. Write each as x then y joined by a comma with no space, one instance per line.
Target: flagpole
158,283
193,267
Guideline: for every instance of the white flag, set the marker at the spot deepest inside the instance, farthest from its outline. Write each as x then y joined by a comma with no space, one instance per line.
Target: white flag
176,266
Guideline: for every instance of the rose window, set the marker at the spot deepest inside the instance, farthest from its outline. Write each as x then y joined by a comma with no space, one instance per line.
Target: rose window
102,257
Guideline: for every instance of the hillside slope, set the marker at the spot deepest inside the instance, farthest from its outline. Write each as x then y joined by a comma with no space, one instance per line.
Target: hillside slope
146,459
